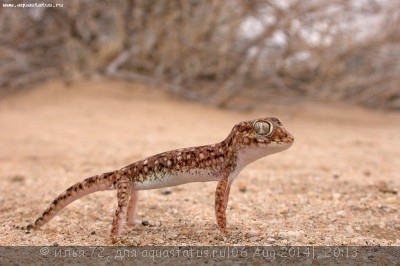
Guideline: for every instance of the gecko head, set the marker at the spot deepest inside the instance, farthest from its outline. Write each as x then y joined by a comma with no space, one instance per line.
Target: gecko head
258,138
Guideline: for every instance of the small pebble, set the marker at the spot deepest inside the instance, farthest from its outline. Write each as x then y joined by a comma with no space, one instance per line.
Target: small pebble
341,213
384,188
349,229
290,235
18,178
382,225
242,187
173,235
185,232
145,223
367,173
253,239
254,232
391,200
336,196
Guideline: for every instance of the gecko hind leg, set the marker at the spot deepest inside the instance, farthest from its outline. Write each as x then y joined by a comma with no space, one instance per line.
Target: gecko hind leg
124,188
131,216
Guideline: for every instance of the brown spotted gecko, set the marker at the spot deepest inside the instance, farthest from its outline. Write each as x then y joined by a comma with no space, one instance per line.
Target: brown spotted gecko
222,162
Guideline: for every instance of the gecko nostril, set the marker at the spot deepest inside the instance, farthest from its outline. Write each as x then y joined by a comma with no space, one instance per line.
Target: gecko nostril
290,137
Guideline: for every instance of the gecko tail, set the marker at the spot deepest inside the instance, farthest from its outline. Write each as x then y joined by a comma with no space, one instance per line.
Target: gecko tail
74,192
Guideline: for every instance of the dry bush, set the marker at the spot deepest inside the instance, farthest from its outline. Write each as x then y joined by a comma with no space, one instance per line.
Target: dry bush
215,51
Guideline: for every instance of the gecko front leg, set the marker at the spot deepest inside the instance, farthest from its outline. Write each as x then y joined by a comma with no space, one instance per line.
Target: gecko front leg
221,201
124,188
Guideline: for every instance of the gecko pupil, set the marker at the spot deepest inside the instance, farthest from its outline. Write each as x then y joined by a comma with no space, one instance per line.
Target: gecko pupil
262,128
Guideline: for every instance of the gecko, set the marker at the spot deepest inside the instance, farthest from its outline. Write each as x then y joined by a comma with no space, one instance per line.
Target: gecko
247,142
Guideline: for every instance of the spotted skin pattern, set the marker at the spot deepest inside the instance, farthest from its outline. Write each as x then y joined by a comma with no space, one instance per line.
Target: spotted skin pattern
248,141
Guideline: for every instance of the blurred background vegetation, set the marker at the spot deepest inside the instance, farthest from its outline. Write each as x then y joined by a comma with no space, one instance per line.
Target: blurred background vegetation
213,51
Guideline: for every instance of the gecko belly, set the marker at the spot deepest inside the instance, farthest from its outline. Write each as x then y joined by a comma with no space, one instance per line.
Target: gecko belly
176,178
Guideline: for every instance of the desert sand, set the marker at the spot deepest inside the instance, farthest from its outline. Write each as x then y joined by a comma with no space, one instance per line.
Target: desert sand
337,185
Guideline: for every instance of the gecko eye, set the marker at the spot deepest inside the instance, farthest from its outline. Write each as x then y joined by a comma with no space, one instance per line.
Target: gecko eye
262,128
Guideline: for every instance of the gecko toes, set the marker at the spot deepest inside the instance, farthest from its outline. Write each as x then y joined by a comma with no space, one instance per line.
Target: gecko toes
224,231
25,228
138,222
134,222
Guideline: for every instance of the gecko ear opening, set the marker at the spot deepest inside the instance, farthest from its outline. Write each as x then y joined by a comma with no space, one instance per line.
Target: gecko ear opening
262,128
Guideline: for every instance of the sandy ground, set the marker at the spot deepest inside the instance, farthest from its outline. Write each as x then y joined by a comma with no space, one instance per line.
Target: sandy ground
337,185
